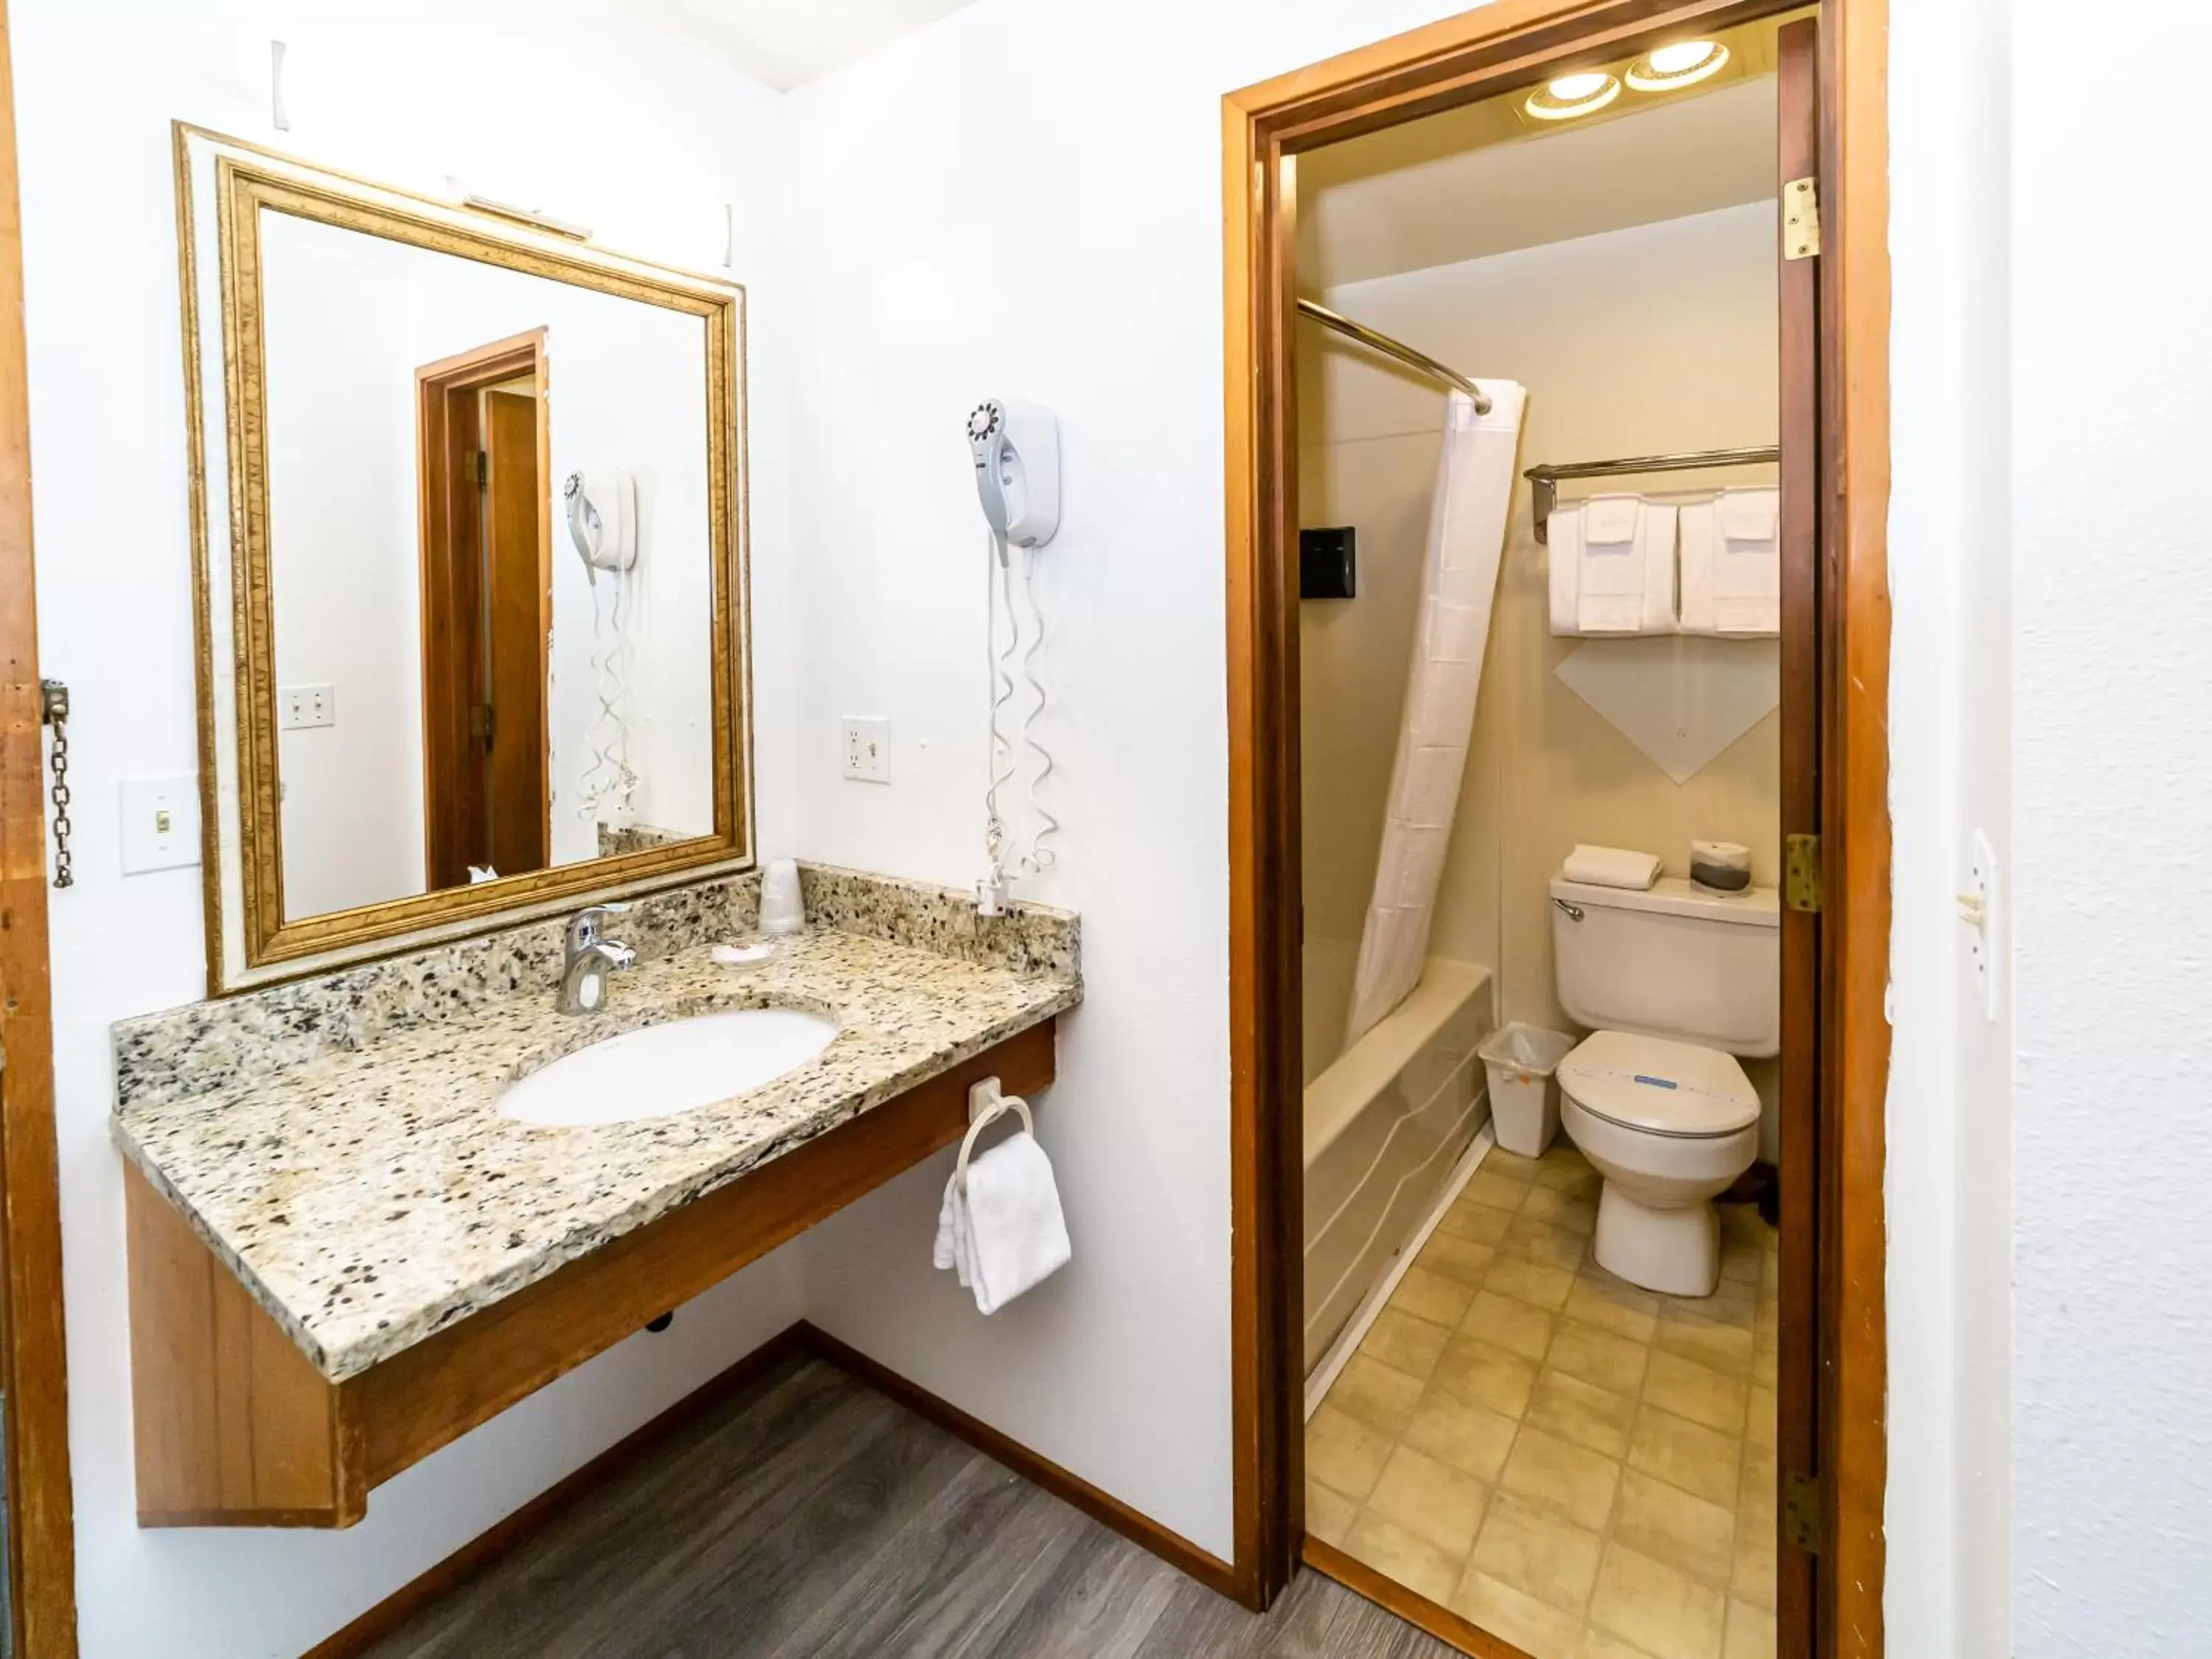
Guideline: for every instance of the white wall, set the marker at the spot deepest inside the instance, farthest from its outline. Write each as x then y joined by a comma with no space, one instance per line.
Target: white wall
2111,749
344,592
382,92
1949,1193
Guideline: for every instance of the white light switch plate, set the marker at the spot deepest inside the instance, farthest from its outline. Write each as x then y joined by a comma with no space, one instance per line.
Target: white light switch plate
160,823
868,749
299,706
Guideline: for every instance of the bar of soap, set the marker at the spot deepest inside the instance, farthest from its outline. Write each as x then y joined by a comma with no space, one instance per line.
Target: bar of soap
741,956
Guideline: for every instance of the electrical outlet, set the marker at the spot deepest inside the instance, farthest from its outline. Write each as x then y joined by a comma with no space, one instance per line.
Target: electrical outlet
160,823
868,749
302,706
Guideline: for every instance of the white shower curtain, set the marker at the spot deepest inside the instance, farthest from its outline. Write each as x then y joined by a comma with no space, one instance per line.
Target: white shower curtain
1466,540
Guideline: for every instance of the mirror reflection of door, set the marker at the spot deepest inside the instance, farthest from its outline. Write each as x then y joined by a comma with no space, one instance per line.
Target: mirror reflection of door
487,611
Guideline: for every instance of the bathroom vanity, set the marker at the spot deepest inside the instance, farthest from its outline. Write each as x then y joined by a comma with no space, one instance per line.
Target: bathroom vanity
473,629
343,1256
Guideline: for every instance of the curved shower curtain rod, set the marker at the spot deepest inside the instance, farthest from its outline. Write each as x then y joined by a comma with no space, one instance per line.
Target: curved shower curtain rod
1390,347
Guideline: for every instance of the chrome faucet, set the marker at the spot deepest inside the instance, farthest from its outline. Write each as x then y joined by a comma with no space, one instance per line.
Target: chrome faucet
589,959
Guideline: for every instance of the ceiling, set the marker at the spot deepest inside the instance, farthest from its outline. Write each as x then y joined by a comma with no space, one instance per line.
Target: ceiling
786,43
1481,179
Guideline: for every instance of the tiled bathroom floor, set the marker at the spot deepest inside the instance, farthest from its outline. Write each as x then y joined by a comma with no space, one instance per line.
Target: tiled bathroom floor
1582,1468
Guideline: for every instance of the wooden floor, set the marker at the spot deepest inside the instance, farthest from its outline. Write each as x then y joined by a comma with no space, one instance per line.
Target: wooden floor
810,1516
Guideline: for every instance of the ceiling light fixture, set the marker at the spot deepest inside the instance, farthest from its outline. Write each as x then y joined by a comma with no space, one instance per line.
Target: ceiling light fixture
1681,64
1571,95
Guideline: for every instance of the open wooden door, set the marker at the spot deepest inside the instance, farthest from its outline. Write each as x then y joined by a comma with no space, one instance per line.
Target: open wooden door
1804,730
37,1541
517,623
487,611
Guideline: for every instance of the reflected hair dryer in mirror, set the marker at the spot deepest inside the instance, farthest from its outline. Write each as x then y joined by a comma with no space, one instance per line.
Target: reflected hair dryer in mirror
603,520
603,523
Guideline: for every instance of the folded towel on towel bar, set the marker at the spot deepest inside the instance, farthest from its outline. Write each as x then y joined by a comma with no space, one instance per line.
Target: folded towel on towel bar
1612,566
1731,561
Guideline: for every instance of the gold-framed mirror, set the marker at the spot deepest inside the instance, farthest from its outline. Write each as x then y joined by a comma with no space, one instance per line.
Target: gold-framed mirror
470,565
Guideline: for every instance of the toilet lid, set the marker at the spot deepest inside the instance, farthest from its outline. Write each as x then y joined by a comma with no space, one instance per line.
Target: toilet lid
1660,1087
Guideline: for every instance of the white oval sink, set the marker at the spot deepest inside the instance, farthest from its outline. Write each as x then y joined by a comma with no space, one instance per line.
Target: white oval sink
666,1069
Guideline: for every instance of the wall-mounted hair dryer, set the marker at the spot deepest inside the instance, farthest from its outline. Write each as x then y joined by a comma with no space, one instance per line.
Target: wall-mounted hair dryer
1017,450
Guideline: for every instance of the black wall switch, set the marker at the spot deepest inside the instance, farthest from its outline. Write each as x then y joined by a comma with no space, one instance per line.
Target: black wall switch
1327,566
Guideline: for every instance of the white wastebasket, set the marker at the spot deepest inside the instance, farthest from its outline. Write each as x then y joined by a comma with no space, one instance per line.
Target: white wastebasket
1524,1100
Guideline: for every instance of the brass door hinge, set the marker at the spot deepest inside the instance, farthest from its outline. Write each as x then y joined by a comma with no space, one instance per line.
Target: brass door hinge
1800,219
1803,881
480,725
483,469
1801,1511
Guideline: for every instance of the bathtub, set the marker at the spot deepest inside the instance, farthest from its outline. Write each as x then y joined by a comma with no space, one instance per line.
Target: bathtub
1384,1124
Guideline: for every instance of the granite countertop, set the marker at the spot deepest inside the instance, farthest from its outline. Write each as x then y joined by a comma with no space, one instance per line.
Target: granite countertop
371,1195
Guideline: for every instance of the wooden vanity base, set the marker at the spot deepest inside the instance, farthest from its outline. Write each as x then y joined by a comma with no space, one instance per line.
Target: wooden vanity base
236,1427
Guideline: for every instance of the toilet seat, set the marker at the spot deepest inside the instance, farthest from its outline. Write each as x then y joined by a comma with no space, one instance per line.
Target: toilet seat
1660,1087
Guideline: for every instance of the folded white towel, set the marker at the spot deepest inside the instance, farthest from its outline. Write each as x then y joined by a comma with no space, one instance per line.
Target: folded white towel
1611,867
1612,566
1610,518
1003,1232
1750,515
1563,559
1731,564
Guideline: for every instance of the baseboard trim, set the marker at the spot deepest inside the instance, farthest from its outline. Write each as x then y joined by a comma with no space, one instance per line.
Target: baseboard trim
1210,1570
800,1337
503,1535
1413,1608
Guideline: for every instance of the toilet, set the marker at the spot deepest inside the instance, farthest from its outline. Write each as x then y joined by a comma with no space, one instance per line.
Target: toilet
1675,983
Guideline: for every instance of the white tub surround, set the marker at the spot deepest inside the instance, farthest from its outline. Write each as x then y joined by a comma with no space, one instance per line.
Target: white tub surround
1384,1126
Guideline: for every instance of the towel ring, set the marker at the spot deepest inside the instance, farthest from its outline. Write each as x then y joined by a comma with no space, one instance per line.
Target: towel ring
1006,1104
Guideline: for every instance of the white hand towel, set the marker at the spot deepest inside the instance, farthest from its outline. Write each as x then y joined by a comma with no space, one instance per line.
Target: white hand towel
1731,561
1625,572
1004,1233
1563,548
1611,867
1609,584
1696,537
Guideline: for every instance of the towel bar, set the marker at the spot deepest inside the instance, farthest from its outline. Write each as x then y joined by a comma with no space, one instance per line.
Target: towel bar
1544,479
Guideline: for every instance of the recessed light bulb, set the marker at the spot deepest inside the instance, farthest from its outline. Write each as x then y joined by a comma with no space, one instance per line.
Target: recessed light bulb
1569,95
1574,88
1678,63
1683,54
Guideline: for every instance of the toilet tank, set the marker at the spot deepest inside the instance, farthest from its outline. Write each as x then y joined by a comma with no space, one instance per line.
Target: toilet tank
1671,961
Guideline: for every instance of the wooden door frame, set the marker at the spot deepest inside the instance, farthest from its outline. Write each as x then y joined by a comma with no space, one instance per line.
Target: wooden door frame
473,370
34,1368
1455,61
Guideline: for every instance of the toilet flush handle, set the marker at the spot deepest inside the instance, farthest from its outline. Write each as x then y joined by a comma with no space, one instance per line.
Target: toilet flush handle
1574,911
